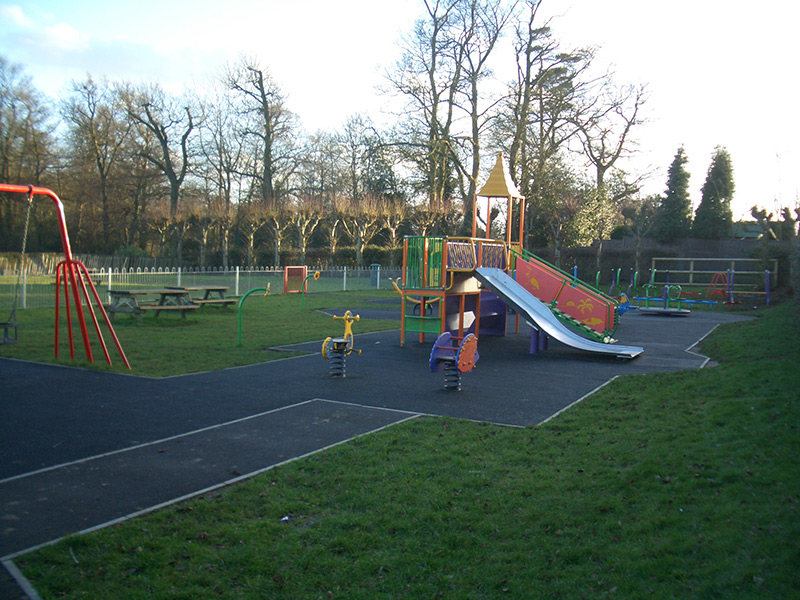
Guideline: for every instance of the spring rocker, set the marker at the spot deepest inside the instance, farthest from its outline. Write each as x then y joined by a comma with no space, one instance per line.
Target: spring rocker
454,359
335,350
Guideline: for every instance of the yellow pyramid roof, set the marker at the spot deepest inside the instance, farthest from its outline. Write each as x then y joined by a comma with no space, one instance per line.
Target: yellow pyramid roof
499,184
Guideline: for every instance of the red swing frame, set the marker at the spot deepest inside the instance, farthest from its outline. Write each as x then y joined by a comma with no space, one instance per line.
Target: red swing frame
75,275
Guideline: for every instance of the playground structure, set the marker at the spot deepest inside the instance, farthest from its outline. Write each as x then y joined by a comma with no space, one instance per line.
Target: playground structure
466,285
76,280
673,299
295,279
454,360
336,350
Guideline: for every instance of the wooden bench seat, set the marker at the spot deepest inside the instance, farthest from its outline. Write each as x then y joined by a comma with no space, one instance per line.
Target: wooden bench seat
168,307
217,301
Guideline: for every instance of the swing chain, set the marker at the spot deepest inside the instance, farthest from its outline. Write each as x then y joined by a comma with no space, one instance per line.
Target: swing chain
12,317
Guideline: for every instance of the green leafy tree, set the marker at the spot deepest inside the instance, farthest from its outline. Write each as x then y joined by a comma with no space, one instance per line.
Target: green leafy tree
713,219
674,215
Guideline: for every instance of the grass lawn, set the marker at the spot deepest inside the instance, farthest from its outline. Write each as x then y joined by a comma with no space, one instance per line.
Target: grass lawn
682,485
206,340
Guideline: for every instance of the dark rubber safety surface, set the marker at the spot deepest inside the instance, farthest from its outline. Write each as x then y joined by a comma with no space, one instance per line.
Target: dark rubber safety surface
81,449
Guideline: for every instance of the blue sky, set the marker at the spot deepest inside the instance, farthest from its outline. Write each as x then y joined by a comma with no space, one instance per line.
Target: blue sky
719,72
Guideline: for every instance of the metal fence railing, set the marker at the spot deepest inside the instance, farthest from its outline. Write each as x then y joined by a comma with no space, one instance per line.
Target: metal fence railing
744,273
38,291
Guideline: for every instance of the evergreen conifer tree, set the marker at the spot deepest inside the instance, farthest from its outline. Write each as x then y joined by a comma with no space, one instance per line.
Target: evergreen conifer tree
713,218
674,215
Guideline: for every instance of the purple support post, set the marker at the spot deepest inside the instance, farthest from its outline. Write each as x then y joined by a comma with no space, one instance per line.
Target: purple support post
538,341
766,286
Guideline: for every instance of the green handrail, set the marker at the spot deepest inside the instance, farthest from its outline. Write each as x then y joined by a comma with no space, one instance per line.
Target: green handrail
241,301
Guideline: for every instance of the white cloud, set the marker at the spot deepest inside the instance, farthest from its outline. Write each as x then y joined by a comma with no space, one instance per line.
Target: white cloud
66,37
14,15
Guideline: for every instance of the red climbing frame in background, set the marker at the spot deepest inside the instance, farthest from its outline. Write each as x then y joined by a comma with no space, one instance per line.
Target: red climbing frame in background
73,273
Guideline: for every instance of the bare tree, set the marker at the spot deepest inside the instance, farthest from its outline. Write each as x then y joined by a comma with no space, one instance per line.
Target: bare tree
305,217
222,147
605,130
100,129
159,220
425,220
26,145
319,171
482,24
605,136
428,75
396,214
251,218
334,216
539,115
355,147
279,224
269,126
362,221
170,123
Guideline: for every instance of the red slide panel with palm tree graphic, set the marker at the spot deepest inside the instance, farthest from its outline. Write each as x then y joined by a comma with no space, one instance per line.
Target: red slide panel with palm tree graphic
589,308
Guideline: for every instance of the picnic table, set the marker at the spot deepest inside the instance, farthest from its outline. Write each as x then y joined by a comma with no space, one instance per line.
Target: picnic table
212,295
170,299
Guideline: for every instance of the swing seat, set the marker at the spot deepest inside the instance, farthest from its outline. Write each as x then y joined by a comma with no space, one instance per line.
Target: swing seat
7,337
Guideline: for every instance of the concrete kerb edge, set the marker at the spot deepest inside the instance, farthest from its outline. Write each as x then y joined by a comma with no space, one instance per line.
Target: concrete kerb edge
690,350
578,401
22,581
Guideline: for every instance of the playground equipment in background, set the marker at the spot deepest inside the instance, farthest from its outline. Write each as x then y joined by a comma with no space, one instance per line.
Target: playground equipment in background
294,279
454,360
241,302
543,321
717,289
335,350
441,271
670,300
615,290
75,278
723,288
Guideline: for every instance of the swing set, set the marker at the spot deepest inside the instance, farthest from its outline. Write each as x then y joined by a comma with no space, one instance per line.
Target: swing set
75,278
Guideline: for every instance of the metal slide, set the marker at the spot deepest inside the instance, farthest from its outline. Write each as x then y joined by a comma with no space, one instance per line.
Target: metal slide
541,317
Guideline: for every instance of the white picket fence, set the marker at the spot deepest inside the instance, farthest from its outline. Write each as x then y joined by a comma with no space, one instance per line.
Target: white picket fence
39,291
